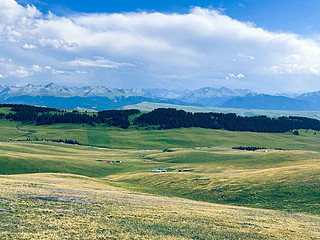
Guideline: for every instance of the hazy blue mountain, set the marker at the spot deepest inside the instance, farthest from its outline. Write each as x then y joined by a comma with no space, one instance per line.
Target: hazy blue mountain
101,97
55,90
90,103
263,101
213,97
95,98
313,97
163,93
207,96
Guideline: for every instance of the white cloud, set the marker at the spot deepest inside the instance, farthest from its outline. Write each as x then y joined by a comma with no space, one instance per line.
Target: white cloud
2,76
11,11
28,46
204,45
36,68
3,59
21,72
99,62
58,43
57,72
246,58
81,72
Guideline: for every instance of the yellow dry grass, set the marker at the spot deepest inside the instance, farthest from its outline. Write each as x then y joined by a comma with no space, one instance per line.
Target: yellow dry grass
65,206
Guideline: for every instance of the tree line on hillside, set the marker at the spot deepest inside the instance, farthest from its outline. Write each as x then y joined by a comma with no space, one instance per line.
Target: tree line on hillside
67,141
46,116
166,118
161,118
27,108
117,118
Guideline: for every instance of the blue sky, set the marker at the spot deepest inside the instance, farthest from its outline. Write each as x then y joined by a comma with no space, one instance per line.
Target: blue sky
267,46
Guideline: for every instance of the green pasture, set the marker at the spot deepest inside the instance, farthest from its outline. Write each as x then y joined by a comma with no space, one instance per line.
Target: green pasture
286,180
112,137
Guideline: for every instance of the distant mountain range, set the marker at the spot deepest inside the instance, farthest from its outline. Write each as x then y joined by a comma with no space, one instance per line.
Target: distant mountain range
100,97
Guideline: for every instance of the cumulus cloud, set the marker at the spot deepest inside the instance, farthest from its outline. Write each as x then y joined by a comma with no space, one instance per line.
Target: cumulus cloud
204,45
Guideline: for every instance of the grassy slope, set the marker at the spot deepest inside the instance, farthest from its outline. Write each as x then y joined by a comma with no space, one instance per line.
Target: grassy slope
286,180
144,139
35,157
8,130
63,206
5,110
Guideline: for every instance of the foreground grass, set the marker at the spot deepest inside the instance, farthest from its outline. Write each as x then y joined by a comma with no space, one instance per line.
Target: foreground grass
64,206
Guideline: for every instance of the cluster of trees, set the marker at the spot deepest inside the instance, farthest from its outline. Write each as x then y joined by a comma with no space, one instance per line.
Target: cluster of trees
166,118
68,141
254,148
45,116
249,148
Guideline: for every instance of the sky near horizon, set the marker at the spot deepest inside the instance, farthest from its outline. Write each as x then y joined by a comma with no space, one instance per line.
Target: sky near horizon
267,46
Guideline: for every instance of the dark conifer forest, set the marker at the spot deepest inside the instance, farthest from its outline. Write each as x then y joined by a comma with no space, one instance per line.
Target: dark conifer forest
45,116
162,118
172,118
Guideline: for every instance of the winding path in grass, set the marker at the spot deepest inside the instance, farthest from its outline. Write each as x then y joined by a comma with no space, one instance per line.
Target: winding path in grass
27,133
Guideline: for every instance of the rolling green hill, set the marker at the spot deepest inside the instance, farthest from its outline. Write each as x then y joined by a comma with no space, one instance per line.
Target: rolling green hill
60,184
220,173
112,137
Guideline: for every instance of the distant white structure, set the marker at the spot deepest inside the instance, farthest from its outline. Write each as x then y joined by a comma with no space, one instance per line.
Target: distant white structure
159,170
